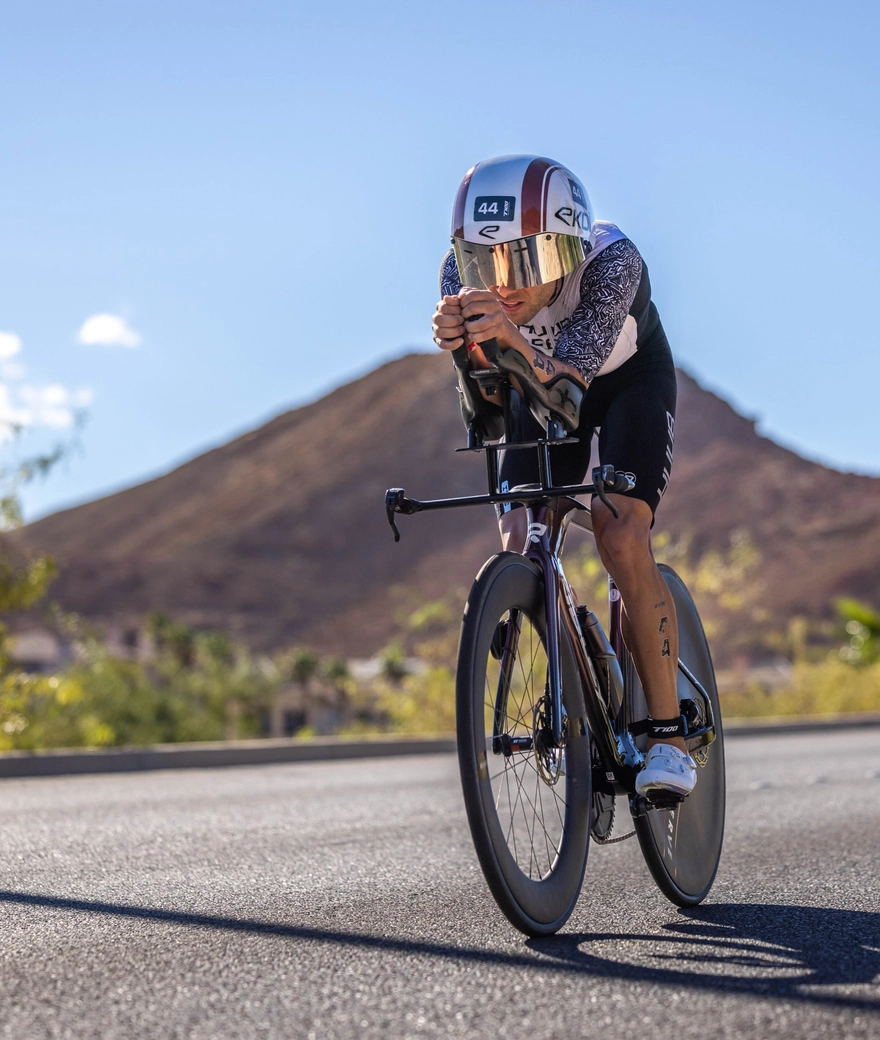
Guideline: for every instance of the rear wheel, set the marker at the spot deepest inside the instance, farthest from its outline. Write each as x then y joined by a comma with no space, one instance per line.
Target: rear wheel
528,801
682,846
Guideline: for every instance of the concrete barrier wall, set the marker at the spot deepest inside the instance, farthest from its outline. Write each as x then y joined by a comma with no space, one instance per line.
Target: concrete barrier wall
324,749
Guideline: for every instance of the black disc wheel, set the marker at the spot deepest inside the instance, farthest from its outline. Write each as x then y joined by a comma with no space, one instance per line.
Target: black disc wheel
682,846
527,799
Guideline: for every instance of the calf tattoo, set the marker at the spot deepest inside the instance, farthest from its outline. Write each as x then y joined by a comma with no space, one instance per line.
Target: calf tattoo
664,624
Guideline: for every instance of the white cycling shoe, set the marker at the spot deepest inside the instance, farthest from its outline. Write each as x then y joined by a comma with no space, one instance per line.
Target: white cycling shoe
667,770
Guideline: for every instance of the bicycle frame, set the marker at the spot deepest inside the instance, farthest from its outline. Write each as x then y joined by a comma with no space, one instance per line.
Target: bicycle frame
550,510
606,722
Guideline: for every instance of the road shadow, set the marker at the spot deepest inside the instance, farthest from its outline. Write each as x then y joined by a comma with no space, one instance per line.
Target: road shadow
789,952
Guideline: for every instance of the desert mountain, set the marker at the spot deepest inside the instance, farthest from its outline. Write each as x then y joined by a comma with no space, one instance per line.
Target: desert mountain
280,536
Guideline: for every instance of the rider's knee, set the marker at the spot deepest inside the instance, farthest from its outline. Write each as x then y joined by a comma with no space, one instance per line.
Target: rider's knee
623,541
513,526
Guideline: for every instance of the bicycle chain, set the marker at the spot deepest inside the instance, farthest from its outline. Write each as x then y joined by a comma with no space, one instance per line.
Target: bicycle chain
612,841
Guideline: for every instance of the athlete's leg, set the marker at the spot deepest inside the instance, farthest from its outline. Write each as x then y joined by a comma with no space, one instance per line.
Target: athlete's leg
513,528
637,437
649,623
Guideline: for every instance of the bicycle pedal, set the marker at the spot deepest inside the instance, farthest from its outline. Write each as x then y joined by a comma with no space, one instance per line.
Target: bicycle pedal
664,799
641,805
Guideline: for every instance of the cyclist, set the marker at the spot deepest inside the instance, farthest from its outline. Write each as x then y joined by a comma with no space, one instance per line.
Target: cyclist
531,269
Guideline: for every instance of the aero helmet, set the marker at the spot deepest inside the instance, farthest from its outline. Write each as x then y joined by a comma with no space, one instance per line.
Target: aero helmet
519,220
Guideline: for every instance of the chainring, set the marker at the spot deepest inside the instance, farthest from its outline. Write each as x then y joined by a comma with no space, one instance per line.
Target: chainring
601,815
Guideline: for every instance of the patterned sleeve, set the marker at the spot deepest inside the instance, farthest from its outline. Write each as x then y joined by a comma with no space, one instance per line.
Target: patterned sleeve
450,283
608,288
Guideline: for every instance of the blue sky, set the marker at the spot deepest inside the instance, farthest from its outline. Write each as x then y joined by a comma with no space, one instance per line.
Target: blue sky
258,196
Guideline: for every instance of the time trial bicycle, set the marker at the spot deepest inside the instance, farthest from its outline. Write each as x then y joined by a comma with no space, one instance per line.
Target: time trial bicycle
551,717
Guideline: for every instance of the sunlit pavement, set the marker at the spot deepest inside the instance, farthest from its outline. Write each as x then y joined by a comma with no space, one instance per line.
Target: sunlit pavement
344,899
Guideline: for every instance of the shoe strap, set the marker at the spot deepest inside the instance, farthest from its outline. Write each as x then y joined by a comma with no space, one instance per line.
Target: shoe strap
662,729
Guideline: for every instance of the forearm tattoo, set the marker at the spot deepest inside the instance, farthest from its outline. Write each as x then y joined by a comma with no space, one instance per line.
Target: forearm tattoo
608,288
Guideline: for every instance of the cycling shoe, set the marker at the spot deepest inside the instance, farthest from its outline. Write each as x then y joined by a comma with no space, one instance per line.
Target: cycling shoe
667,770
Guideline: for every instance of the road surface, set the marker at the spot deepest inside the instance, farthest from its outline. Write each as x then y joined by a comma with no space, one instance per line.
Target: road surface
344,900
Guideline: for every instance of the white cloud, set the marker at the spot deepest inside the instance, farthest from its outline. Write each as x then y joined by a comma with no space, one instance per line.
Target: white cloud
10,345
12,370
50,405
30,404
108,330
11,417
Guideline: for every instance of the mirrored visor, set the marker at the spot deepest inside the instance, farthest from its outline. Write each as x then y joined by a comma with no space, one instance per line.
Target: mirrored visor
535,260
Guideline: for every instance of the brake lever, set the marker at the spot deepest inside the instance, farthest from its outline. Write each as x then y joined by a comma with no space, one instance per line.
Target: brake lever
392,497
603,475
397,502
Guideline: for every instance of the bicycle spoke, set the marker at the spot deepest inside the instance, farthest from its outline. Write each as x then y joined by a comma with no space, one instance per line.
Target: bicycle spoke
532,809
529,795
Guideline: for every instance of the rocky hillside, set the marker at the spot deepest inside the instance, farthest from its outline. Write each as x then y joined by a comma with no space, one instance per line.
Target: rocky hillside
280,536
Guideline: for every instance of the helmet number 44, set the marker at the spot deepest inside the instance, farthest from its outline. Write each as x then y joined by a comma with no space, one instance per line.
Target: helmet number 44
494,207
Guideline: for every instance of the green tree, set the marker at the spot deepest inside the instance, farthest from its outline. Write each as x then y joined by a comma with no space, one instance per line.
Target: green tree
862,627
23,581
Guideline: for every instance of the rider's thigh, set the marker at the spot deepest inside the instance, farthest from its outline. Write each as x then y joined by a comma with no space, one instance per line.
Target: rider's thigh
638,427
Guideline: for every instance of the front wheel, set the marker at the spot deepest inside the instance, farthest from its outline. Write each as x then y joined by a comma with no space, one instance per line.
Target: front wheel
527,800
682,846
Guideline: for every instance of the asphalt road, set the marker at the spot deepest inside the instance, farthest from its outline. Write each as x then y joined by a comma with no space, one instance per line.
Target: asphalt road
344,900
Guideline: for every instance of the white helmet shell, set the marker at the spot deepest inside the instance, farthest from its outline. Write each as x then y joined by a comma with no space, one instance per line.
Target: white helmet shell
516,196
520,220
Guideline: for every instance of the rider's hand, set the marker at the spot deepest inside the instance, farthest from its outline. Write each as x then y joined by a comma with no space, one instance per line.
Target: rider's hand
449,330
485,319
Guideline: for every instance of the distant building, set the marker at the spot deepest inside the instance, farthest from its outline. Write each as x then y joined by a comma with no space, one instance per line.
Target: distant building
36,650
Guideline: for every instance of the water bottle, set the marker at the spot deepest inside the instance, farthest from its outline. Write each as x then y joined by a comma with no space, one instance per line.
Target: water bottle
604,658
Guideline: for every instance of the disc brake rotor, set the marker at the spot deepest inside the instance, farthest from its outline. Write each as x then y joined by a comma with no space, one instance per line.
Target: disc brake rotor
549,758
